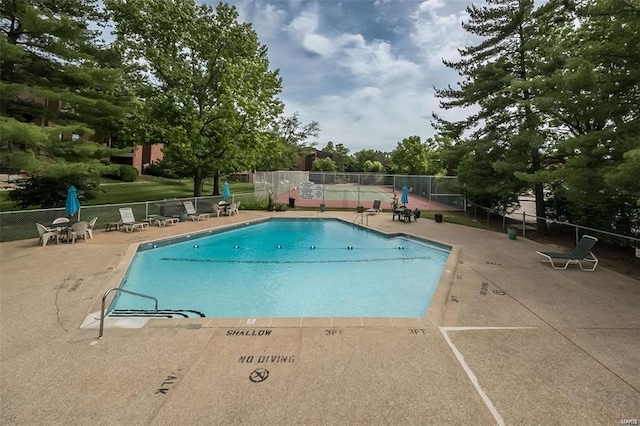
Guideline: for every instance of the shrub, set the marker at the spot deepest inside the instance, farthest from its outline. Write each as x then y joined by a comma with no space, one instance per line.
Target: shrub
253,204
160,169
128,173
51,191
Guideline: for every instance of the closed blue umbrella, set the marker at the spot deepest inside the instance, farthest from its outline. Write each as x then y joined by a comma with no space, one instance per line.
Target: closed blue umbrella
405,195
72,205
225,191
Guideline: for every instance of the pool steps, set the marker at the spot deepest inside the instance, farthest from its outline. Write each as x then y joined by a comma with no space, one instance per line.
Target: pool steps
161,313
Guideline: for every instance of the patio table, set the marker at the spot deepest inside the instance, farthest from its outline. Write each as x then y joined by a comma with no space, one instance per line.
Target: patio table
225,207
62,229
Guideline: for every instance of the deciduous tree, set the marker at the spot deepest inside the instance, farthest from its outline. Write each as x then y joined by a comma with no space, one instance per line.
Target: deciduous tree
212,95
286,142
411,156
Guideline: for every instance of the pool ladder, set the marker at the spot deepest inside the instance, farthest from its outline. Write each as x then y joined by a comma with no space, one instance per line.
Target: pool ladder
104,298
359,220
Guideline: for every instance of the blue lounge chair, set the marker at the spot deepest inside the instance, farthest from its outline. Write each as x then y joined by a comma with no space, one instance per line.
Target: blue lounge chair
581,253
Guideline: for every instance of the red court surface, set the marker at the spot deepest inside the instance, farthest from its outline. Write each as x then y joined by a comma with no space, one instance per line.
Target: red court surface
338,200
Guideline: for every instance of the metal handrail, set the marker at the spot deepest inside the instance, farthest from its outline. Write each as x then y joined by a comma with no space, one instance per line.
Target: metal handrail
104,298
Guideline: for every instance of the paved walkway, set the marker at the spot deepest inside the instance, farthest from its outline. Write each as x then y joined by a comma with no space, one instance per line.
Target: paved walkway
512,342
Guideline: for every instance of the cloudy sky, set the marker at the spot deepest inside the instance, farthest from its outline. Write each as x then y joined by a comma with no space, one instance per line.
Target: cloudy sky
363,69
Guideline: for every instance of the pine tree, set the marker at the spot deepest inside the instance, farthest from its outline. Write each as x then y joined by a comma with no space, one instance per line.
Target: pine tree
58,86
505,132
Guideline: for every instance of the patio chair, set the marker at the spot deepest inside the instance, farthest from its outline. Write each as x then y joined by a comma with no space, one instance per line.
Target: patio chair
46,234
399,212
407,214
217,210
233,208
92,224
192,213
59,220
581,253
375,209
79,229
128,220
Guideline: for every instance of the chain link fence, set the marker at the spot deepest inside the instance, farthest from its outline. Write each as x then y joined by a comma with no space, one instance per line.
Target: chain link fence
348,190
21,224
557,232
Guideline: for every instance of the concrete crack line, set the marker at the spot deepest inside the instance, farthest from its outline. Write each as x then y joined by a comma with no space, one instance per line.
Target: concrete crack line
60,287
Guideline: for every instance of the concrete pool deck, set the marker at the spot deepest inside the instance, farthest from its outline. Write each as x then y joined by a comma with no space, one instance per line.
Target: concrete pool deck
516,342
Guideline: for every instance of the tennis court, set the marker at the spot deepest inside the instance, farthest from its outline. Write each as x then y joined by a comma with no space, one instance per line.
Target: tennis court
349,190
351,196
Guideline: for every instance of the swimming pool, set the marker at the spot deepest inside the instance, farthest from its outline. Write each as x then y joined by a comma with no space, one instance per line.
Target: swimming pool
287,268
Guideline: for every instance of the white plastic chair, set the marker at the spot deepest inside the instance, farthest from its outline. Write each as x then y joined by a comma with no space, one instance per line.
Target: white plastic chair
217,210
59,220
46,234
79,229
233,208
92,223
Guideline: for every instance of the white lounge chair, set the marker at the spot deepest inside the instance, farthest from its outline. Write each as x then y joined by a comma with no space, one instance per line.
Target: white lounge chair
581,253
162,221
192,213
46,234
128,220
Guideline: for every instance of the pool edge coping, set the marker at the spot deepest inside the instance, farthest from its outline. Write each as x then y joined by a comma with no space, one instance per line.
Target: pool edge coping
432,318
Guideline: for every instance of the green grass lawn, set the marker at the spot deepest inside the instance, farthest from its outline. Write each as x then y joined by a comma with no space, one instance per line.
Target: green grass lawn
149,189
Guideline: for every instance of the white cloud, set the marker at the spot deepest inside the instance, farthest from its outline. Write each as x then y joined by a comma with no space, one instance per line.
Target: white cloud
438,36
318,44
373,61
302,30
367,78
304,24
269,22
430,5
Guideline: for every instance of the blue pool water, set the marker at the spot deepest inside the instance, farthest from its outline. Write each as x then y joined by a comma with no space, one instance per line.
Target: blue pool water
288,268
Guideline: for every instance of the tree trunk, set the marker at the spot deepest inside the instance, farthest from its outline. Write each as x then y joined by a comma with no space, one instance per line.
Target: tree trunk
216,184
541,213
197,186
